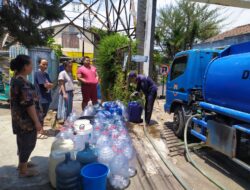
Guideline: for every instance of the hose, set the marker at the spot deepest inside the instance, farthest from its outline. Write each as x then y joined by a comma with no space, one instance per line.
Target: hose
191,160
168,164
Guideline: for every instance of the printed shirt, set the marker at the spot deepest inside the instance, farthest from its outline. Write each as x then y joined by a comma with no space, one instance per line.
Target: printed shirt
22,95
68,80
145,84
89,74
39,80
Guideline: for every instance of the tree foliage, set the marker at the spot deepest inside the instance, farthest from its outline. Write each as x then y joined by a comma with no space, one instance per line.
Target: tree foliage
109,61
51,43
21,17
180,26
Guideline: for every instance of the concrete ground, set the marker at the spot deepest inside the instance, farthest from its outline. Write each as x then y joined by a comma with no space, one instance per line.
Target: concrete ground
152,173
8,158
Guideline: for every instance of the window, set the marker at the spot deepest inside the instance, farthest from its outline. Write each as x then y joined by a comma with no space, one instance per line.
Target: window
178,67
70,40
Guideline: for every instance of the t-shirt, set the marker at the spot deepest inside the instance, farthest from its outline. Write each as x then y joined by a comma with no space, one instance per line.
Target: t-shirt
40,79
22,95
145,84
68,80
89,74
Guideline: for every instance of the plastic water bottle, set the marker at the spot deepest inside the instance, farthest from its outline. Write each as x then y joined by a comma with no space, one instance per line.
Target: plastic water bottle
103,140
119,177
95,135
105,155
130,154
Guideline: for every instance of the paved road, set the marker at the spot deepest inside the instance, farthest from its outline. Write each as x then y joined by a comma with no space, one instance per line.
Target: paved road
8,174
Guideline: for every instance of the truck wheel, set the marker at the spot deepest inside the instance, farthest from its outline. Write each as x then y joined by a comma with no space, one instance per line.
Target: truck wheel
179,122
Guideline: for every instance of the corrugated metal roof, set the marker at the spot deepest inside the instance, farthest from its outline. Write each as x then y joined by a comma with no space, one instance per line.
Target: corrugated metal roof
240,30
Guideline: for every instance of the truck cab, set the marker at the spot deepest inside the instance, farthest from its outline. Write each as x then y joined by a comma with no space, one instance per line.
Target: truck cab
184,84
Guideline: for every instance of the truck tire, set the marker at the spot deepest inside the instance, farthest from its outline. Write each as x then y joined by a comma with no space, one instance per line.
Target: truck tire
179,122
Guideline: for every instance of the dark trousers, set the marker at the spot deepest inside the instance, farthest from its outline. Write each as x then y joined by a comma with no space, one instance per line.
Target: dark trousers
26,142
149,105
45,109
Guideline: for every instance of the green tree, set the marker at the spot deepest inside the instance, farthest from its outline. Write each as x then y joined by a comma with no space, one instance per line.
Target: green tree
56,47
21,17
180,26
109,60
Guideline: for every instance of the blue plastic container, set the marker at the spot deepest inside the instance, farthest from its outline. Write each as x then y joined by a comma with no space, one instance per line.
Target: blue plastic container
68,174
86,156
94,176
117,110
134,112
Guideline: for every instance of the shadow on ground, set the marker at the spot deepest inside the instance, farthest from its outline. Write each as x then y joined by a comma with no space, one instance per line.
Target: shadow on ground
9,179
4,105
219,162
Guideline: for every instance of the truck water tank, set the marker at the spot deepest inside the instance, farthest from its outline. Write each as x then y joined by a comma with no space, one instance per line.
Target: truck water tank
227,82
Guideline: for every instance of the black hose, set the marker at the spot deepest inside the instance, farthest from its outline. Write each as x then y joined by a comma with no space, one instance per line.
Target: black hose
168,164
191,160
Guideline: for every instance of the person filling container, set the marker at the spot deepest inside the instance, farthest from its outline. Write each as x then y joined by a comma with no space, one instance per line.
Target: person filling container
149,89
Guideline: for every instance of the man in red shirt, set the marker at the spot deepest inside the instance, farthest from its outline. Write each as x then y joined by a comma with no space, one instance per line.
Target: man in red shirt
88,77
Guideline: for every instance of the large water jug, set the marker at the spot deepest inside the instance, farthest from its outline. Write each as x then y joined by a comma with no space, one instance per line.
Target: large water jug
68,174
115,110
103,140
130,154
86,156
105,155
55,158
88,111
62,143
134,112
81,123
119,171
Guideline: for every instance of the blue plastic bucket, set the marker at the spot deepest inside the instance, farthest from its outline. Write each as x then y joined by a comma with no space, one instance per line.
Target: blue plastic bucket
94,176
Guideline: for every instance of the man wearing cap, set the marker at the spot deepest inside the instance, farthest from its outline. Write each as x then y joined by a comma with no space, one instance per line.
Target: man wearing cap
88,77
149,89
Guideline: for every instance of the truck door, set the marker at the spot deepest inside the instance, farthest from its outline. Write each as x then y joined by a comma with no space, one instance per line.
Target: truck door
176,82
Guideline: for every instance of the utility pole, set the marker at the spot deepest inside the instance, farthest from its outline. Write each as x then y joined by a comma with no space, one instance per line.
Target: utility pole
149,37
140,29
145,27
83,27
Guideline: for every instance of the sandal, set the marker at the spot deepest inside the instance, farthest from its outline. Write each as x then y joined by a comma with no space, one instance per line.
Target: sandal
29,173
29,165
42,136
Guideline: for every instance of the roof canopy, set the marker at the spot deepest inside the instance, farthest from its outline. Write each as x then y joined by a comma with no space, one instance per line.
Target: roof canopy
233,3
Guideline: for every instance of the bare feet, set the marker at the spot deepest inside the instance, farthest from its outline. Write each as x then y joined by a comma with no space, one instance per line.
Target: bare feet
29,173
25,172
29,165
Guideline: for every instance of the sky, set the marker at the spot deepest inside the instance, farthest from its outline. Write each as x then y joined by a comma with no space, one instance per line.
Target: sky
235,16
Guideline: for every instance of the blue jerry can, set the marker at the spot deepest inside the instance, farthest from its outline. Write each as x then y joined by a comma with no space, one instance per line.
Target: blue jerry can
134,112
68,174
86,156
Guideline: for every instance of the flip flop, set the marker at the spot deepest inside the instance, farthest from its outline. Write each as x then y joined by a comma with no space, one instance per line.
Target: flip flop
29,173
42,136
29,165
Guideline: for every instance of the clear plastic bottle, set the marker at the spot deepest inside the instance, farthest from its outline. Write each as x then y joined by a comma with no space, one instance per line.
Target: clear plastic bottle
105,155
95,135
103,140
129,152
119,175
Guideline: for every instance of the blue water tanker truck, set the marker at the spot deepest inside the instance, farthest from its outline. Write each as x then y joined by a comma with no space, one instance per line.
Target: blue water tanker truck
215,84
